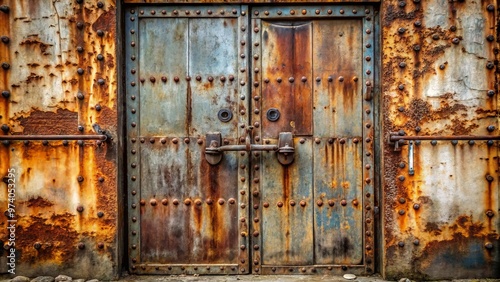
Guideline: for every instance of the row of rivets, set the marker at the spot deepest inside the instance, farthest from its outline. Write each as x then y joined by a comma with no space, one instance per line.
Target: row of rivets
304,12
188,201
189,12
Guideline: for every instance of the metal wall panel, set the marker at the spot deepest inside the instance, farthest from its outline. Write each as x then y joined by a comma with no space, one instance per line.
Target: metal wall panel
59,76
441,220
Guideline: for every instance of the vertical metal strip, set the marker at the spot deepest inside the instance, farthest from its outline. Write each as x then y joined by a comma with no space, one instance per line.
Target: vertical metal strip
132,133
243,159
256,42
368,138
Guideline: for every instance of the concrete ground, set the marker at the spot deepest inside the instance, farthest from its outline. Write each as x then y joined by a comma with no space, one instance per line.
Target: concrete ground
261,278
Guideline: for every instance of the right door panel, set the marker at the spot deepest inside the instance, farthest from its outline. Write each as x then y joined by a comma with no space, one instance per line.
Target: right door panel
312,76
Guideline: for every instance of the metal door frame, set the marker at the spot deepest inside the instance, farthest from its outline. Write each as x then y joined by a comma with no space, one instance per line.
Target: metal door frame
370,133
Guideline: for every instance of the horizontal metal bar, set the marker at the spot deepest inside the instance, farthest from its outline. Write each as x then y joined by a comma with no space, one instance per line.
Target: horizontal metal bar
395,138
100,137
253,147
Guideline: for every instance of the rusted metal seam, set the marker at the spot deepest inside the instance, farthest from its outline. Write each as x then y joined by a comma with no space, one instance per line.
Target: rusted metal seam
100,137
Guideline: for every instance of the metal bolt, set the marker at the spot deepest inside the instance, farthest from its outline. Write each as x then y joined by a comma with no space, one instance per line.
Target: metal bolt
6,94
416,206
442,66
100,33
79,208
434,142
402,64
401,30
417,24
317,140
490,65
490,38
435,37
401,244
100,4
100,214
80,71
489,178
98,107
343,202
5,39
81,246
455,40
490,213
453,28
221,202
37,245
5,9
341,78
490,8
472,142
101,81
302,203
491,128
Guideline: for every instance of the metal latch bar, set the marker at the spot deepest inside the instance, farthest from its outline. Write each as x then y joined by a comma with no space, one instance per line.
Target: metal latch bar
101,137
396,138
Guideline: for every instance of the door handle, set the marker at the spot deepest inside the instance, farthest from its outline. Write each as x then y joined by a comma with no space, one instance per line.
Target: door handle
214,151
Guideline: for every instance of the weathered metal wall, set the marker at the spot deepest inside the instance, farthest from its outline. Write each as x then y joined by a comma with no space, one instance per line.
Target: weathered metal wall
59,76
439,78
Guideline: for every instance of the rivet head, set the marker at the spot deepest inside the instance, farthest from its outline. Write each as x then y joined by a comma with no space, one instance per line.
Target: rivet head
187,202
490,65
331,203
81,246
490,38
317,140
100,4
455,40
80,178
100,33
175,202
153,202
488,245
221,201
101,81
280,204
343,202
490,213
490,7
266,205
401,244
291,79
489,178
5,39
79,208
319,203
302,203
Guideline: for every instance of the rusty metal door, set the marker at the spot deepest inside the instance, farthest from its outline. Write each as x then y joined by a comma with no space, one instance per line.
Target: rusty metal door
249,139
184,81
312,76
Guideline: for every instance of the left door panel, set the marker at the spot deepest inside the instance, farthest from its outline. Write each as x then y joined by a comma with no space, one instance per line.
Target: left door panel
185,78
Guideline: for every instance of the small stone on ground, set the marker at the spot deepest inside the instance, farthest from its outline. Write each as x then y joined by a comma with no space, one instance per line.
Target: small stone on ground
19,279
43,279
349,276
63,278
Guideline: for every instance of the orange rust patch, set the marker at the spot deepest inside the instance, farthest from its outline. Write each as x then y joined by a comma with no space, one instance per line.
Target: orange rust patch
38,202
61,122
55,234
106,22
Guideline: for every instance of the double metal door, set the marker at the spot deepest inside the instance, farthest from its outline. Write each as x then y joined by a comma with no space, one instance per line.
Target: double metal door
249,139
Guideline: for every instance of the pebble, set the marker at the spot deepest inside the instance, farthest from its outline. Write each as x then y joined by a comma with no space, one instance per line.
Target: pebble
43,279
404,280
19,279
62,278
349,276
78,280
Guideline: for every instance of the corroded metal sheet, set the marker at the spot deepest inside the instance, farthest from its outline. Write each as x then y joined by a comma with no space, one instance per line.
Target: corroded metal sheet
58,77
439,79
310,216
185,214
